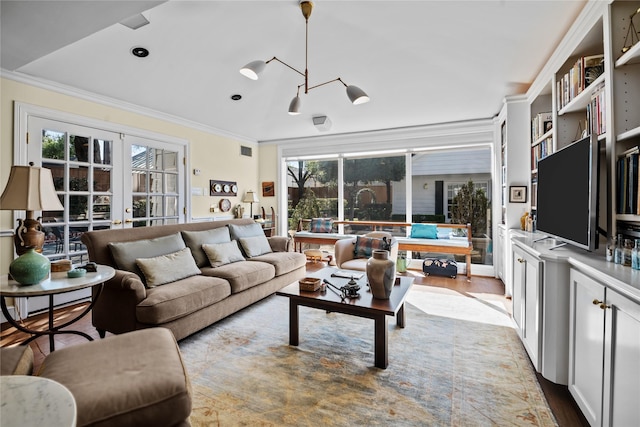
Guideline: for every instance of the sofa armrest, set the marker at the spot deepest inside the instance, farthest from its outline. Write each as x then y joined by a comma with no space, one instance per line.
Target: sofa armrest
279,243
115,308
343,251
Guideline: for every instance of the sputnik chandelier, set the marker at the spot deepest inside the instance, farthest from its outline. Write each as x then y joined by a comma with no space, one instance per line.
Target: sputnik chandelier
252,69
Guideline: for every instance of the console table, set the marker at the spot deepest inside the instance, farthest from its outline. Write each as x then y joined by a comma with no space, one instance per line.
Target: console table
57,283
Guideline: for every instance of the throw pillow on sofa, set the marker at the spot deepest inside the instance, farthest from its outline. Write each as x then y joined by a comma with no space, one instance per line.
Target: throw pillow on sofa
255,246
220,254
195,240
168,268
125,254
321,225
366,245
239,232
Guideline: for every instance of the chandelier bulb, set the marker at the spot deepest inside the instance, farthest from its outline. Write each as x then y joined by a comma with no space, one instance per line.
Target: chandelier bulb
294,106
252,69
356,95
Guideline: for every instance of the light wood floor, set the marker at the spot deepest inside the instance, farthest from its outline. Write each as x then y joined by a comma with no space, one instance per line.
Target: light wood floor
560,401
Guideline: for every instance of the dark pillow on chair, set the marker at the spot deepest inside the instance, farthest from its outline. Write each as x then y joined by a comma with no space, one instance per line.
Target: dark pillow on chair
366,245
321,225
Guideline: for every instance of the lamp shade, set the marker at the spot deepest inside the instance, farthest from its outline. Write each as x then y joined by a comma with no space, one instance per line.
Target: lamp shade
30,188
294,106
252,69
250,197
356,95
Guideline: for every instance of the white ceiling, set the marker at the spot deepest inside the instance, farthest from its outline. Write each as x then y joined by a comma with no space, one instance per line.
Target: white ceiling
421,62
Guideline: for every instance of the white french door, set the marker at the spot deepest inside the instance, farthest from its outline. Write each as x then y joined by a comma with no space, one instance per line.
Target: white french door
104,179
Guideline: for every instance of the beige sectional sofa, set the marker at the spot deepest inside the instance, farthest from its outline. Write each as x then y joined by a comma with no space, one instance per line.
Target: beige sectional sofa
186,277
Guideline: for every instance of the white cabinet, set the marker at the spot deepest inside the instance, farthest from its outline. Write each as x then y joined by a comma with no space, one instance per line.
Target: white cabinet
540,304
526,302
604,352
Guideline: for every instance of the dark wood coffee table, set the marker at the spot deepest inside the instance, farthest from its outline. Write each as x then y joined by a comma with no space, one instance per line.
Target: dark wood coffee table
364,306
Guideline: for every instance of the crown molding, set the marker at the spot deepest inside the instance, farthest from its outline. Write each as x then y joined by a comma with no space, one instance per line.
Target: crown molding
121,105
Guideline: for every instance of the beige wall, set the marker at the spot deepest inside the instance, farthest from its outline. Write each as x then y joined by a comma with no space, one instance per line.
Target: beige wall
216,156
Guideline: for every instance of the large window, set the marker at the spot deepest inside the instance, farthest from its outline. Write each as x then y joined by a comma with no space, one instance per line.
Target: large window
377,188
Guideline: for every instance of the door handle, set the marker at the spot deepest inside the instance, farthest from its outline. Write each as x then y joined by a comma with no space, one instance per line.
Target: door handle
128,221
520,260
128,210
116,222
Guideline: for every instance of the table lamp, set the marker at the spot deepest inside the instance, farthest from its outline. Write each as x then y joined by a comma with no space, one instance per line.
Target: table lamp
251,198
30,189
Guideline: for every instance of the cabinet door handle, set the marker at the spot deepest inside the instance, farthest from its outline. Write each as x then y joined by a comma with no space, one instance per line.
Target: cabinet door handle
520,260
604,306
597,301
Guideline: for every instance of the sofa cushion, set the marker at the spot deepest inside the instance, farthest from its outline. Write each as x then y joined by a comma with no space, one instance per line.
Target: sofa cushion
284,262
424,231
242,275
222,253
132,379
168,268
125,253
365,246
246,230
321,225
180,298
255,246
195,240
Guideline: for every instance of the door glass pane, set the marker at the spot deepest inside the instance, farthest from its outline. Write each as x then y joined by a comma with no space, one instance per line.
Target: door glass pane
139,204
155,206
78,206
171,182
78,178
155,182
78,148
53,144
155,158
138,181
102,152
101,207
171,206
101,179
170,161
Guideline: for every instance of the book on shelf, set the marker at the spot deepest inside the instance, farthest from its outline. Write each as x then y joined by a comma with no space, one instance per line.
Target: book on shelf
580,76
596,111
540,124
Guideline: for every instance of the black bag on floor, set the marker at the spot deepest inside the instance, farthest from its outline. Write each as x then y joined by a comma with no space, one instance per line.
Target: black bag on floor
440,267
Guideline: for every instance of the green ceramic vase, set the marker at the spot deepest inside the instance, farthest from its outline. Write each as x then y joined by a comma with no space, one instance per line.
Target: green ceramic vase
30,268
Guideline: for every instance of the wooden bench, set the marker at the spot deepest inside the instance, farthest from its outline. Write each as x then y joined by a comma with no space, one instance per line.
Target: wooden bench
454,246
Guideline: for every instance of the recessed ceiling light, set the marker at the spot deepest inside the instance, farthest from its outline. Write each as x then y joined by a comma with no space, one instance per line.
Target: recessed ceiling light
236,97
140,52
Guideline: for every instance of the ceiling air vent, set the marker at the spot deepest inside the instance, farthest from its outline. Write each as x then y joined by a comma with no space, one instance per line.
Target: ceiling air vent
245,151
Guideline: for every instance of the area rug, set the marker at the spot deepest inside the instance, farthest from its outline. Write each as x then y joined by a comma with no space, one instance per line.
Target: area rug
443,371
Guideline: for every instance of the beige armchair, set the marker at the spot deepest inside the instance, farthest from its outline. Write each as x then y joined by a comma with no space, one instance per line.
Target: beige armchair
345,257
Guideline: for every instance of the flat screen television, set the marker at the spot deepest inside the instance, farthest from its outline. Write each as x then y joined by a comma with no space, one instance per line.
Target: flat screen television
567,201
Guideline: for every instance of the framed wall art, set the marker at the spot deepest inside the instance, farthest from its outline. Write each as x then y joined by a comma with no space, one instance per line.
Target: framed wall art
268,189
517,194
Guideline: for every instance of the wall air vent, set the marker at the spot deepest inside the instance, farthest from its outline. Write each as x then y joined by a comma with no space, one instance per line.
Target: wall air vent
245,151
